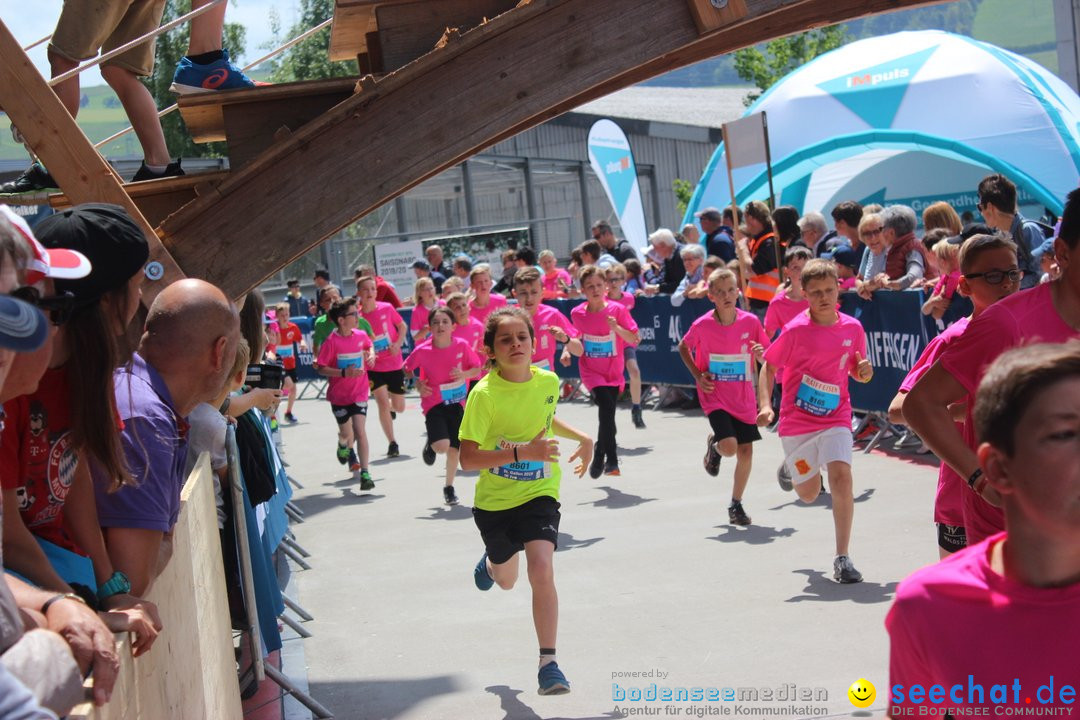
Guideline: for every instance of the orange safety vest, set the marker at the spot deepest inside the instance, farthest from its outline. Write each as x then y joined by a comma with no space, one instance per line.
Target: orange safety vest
762,287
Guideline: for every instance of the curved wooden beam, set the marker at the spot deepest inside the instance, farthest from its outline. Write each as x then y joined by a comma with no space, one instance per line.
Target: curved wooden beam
526,66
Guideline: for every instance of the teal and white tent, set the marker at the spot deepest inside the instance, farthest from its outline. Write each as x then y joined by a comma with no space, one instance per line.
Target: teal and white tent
910,118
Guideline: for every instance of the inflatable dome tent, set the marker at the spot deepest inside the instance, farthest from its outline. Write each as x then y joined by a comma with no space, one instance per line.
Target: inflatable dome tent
911,118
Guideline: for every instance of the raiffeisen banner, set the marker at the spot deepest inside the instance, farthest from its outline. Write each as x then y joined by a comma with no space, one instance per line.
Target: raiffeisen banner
613,162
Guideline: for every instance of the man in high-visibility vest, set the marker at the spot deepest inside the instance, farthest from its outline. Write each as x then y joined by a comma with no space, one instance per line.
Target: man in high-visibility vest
757,256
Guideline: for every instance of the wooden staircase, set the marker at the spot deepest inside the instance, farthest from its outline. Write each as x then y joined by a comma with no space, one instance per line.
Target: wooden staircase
307,159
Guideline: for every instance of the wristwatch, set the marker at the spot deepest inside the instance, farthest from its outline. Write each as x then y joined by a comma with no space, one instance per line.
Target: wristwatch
115,585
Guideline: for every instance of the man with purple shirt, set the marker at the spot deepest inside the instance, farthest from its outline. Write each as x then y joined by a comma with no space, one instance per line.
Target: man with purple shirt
187,349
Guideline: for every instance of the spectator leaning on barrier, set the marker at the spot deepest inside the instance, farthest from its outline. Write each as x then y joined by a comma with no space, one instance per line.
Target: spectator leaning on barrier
997,203
187,349
871,275
618,249
758,257
670,270
693,257
906,260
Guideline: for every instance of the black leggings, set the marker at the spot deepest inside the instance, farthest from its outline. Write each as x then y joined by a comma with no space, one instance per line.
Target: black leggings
605,397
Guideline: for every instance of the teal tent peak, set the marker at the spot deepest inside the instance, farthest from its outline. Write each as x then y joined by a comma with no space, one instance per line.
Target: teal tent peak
874,93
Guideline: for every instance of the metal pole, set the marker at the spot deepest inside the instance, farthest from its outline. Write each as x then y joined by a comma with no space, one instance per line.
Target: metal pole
655,185
297,608
583,182
530,201
772,195
304,699
232,455
470,200
297,627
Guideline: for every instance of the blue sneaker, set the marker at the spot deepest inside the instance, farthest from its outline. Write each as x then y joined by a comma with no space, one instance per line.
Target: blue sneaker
552,680
192,77
480,574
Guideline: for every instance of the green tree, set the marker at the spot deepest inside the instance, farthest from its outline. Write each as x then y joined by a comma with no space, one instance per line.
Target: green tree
310,59
683,192
781,56
169,48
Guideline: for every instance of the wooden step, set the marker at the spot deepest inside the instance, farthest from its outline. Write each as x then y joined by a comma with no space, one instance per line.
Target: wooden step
249,119
157,199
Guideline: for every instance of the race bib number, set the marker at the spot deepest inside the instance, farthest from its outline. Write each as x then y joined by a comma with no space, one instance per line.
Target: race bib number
729,368
543,364
523,471
454,392
348,360
284,351
816,397
599,346
382,343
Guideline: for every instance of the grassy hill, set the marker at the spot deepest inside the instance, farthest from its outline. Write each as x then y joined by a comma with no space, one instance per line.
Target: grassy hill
1023,26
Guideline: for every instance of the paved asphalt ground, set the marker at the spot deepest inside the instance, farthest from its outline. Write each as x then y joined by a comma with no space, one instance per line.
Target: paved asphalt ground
651,577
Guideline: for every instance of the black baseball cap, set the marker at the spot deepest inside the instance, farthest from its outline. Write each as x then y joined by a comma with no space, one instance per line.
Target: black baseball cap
970,230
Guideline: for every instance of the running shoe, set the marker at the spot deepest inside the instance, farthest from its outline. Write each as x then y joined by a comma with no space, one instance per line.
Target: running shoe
344,454
171,170
393,450
552,680
736,514
784,478
393,415
428,454
844,571
354,462
612,469
596,467
712,457
635,415
290,418
480,574
366,483
449,495
35,179
191,77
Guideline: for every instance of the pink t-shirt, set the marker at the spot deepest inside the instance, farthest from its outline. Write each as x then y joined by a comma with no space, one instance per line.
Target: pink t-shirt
548,317
816,362
602,364
782,310
550,283
627,300
420,315
495,302
435,365
384,321
723,352
947,284
948,503
342,352
472,333
959,625
1023,318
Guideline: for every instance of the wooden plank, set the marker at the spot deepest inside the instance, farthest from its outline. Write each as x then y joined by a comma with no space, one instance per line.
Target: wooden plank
59,142
251,128
348,32
409,30
523,67
714,14
157,199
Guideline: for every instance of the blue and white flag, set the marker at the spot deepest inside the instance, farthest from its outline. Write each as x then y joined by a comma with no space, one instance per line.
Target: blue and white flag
613,162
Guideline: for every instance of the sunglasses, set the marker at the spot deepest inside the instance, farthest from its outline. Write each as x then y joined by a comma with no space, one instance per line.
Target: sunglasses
58,307
872,233
996,277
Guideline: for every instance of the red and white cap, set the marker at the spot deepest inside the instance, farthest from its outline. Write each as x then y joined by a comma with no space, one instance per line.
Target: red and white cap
56,263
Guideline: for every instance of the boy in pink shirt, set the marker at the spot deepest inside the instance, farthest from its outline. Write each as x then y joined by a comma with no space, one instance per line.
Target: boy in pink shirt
720,350
1046,313
484,301
978,255
605,327
789,300
387,377
616,279
344,358
817,352
992,630
446,365
549,325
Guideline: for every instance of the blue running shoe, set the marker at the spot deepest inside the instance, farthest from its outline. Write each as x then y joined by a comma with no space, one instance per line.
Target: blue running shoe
480,574
552,680
192,77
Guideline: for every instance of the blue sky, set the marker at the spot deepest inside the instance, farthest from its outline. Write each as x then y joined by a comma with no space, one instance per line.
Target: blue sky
31,26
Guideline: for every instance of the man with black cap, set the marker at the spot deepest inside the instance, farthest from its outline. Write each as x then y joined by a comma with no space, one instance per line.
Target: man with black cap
421,268
719,232
621,250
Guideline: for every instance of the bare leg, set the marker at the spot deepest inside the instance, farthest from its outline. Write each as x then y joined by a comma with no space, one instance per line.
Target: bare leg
843,503
634,372
810,489
397,402
539,555
505,574
68,91
345,434
206,28
743,463
141,111
290,390
359,426
382,398
451,465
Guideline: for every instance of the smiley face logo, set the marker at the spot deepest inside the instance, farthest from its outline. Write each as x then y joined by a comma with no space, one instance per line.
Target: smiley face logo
861,693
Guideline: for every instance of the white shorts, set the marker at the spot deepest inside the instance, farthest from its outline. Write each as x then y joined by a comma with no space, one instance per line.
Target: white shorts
807,455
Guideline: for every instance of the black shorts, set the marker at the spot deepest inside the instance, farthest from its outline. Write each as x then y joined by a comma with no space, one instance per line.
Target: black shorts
291,373
505,532
443,422
394,380
342,413
951,538
725,426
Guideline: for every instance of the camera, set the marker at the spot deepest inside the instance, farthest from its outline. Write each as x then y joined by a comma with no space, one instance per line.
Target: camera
265,375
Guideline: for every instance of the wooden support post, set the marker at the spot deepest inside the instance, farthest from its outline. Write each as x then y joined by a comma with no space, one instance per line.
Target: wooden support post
58,141
714,14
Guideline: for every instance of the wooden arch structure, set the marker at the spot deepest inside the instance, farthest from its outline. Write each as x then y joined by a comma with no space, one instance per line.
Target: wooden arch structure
309,158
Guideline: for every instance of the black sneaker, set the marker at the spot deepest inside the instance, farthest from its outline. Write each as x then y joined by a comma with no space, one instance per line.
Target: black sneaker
612,468
596,467
635,415
736,514
393,415
35,179
449,495
428,454
784,478
712,458
393,450
144,173
366,483
844,571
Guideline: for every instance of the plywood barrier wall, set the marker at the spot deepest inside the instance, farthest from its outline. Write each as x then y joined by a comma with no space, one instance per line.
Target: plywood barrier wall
190,673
